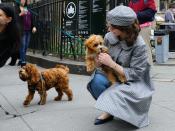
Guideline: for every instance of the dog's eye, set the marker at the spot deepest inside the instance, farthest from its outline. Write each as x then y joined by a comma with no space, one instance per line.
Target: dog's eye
100,43
95,45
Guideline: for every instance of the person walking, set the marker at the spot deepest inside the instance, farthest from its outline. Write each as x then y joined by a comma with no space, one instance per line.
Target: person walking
145,10
129,101
16,55
27,26
9,33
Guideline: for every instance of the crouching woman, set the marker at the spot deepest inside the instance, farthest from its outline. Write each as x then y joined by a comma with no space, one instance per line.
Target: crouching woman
129,101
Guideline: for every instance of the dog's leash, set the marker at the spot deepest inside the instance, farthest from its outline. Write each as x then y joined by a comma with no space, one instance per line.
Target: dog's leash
12,114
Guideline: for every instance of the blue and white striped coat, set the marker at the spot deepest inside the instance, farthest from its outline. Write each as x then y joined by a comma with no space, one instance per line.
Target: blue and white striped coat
130,101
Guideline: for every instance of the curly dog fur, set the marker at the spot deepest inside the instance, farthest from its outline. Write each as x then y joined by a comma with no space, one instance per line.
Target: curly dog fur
42,81
95,45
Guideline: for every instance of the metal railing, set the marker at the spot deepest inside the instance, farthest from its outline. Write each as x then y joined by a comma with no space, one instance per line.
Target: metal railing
50,38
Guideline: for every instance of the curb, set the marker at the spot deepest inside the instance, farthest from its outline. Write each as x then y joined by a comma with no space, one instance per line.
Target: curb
75,67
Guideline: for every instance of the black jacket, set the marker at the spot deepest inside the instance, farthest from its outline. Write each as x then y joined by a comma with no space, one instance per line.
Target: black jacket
6,48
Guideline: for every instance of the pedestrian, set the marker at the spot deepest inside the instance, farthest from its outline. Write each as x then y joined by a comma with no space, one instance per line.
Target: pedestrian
145,10
28,27
129,101
9,33
16,55
169,17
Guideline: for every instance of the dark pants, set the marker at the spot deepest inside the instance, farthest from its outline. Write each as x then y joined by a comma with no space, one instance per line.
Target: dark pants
24,45
98,84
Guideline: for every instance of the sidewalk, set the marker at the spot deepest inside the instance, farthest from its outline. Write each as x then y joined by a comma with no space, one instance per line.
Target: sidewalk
79,114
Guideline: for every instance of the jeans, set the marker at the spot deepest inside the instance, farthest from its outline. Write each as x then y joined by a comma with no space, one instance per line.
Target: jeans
98,84
24,45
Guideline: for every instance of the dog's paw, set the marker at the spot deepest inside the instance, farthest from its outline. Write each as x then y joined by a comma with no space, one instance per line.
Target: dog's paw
41,103
57,98
70,99
89,69
26,103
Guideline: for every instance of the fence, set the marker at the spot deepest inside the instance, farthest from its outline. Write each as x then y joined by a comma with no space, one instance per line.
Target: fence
48,17
62,35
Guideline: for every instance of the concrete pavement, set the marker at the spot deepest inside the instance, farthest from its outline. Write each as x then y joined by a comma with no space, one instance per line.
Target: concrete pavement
79,114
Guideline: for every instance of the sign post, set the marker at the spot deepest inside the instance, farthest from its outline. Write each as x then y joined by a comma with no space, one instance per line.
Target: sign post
98,17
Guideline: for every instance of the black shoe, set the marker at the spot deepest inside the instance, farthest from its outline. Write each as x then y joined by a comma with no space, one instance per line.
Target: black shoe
102,121
19,63
23,64
12,63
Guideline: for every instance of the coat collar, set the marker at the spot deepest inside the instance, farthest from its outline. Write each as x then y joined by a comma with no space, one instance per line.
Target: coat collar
124,45
3,36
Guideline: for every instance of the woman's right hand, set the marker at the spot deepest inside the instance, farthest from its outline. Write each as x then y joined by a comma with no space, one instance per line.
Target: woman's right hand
98,63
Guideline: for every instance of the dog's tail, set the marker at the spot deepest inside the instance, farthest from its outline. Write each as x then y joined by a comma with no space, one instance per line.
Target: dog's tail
63,67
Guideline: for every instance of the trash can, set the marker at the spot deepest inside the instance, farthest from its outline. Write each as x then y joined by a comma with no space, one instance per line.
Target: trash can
161,45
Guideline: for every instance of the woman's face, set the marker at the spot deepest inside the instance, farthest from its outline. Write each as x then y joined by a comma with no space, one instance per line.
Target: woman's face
25,1
22,2
116,32
4,20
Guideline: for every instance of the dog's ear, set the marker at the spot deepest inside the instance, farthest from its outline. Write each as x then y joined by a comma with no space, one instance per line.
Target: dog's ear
89,40
35,76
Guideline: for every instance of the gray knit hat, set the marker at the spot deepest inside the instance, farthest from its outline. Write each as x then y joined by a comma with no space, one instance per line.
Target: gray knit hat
121,16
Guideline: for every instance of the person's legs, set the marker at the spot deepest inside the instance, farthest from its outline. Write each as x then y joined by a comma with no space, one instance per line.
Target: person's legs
145,33
98,84
14,58
28,36
22,48
26,41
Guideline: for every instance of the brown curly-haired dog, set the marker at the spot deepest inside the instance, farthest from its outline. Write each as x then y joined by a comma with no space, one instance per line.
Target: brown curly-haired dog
95,45
42,81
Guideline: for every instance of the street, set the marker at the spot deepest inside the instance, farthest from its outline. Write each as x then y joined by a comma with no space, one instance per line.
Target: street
79,114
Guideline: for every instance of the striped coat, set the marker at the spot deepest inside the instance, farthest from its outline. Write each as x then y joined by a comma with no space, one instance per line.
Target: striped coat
130,101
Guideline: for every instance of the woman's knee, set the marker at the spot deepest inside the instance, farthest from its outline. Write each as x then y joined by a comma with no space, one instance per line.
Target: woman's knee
98,84
100,80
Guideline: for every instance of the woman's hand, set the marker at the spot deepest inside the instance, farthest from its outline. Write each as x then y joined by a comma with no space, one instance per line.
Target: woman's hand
34,30
97,61
105,59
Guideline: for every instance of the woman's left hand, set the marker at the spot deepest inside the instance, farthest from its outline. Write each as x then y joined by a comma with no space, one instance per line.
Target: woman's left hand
34,30
105,59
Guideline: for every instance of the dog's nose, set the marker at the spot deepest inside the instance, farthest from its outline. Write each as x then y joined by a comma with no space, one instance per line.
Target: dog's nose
101,49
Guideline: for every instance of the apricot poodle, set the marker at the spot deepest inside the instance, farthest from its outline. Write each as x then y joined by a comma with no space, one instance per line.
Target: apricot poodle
95,45
42,81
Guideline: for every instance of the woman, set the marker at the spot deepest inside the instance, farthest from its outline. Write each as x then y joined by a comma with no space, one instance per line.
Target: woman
27,27
9,34
129,101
